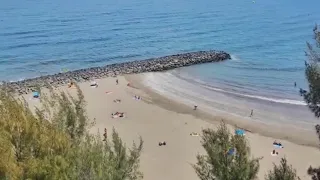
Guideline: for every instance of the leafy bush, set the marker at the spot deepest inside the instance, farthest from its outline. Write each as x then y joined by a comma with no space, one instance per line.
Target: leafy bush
54,143
219,163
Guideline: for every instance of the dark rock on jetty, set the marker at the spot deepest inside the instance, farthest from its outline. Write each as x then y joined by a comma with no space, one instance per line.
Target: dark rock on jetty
148,65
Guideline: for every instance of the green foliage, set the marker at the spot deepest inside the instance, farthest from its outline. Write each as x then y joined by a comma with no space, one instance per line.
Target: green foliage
218,164
312,97
282,172
314,173
54,143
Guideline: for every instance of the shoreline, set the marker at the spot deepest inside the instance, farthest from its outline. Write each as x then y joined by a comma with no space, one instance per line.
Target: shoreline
156,119
134,67
297,136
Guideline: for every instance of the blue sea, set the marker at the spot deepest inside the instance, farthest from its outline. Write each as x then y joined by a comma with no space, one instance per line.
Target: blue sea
266,38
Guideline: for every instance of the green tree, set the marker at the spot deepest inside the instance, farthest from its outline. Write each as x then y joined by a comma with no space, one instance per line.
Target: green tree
54,143
227,158
312,96
282,172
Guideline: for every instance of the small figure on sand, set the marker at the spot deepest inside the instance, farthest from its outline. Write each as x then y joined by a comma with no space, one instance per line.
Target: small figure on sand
274,153
118,115
251,114
94,84
195,107
194,134
137,97
295,84
302,92
163,143
70,85
117,81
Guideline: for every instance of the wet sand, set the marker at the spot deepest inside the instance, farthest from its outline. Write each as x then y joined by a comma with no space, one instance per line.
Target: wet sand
286,121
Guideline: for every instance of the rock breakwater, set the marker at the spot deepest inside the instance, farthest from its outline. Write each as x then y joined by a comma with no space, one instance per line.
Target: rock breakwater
148,65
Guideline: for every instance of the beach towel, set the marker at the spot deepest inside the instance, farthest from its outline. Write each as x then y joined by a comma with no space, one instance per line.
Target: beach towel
34,99
240,132
273,154
118,116
277,146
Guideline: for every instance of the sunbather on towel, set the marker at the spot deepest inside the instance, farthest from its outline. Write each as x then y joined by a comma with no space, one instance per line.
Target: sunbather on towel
117,100
117,114
277,144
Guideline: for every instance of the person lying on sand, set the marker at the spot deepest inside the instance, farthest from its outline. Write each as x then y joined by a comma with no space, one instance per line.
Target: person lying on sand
163,143
94,84
137,97
117,100
194,134
275,143
117,114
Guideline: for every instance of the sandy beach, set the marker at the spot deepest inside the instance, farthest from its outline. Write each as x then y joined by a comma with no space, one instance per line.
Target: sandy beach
158,119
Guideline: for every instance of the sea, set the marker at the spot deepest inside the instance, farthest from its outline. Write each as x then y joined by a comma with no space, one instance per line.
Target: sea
266,39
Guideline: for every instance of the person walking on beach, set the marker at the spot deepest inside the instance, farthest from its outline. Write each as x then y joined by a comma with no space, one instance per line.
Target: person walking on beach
295,84
195,107
117,81
251,114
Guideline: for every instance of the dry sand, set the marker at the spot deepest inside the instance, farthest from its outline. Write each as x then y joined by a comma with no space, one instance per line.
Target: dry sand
172,124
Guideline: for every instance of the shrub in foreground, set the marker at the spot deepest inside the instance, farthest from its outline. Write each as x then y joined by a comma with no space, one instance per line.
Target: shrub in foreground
312,96
284,171
227,158
54,143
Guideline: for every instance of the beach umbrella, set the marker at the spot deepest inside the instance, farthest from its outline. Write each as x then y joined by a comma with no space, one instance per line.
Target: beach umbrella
35,94
240,132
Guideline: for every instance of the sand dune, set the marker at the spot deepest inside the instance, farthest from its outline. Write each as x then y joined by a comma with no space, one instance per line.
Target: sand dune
172,124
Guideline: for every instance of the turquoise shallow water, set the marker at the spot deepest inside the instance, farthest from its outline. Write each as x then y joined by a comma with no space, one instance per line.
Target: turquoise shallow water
266,38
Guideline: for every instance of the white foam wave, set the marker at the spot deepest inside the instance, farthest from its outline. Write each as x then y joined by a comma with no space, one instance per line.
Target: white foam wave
203,84
19,79
234,57
193,93
158,83
284,101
